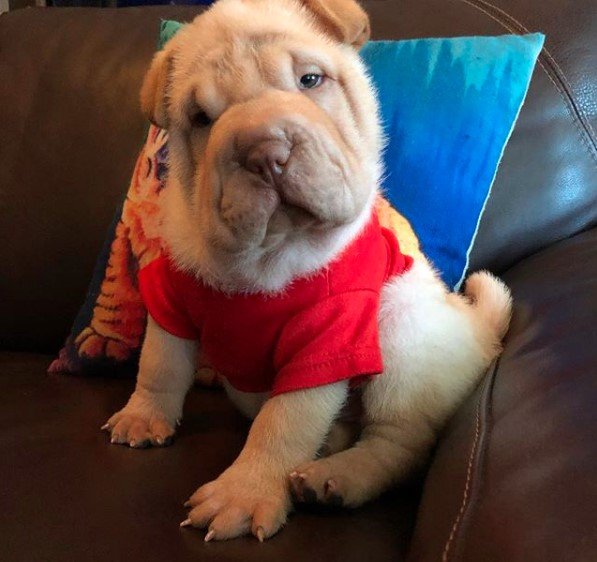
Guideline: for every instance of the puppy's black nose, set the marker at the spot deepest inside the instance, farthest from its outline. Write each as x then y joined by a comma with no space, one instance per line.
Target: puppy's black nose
268,159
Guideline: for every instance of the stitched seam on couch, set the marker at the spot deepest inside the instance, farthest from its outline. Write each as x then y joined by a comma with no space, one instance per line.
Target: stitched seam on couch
551,69
475,461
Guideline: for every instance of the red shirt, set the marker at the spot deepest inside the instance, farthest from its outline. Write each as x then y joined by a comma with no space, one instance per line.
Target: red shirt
320,330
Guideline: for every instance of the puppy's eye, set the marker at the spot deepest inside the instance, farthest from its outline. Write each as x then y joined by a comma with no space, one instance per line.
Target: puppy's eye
200,119
310,81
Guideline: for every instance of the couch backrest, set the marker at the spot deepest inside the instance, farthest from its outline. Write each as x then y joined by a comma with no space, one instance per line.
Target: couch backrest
70,130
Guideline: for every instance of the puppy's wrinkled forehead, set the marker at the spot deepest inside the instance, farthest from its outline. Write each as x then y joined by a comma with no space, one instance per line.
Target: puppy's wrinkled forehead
237,47
242,69
225,64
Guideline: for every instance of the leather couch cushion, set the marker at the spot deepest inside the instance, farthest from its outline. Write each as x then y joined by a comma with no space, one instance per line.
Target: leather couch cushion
67,494
514,474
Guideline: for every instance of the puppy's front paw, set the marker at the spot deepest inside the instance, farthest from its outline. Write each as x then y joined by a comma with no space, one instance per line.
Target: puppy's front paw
140,429
239,502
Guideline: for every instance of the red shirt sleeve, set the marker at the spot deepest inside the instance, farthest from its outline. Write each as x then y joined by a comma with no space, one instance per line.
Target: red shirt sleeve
334,340
162,298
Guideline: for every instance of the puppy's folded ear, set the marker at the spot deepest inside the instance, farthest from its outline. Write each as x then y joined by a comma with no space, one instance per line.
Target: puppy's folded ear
344,20
154,91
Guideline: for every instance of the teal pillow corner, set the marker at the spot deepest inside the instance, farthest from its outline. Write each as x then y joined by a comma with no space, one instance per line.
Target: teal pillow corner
168,29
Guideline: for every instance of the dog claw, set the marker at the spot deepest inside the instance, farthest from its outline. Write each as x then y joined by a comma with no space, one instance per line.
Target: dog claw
298,476
331,495
187,504
186,523
260,534
105,427
210,535
140,444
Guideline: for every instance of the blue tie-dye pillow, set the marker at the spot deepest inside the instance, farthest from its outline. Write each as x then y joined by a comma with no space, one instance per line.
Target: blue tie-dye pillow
448,108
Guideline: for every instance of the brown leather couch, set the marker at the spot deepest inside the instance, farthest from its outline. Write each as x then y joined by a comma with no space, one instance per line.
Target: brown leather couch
514,477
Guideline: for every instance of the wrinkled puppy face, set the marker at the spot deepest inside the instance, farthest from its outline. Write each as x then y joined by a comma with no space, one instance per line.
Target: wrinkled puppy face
272,122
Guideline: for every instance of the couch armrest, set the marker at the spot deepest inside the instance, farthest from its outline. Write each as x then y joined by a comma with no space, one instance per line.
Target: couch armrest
514,477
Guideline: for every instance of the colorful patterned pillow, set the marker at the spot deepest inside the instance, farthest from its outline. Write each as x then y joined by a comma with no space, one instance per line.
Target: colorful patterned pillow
448,107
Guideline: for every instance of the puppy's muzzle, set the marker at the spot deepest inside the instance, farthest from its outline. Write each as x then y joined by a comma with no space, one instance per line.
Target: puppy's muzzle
280,158
265,152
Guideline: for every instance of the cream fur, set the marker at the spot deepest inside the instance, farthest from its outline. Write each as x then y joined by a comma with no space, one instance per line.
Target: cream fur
241,231
154,409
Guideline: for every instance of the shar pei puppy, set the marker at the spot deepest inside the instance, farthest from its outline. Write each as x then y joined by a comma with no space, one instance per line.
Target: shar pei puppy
277,269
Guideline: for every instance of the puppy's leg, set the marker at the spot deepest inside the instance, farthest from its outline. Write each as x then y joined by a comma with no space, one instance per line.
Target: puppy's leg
435,347
347,427
341,436
252,495
166,370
